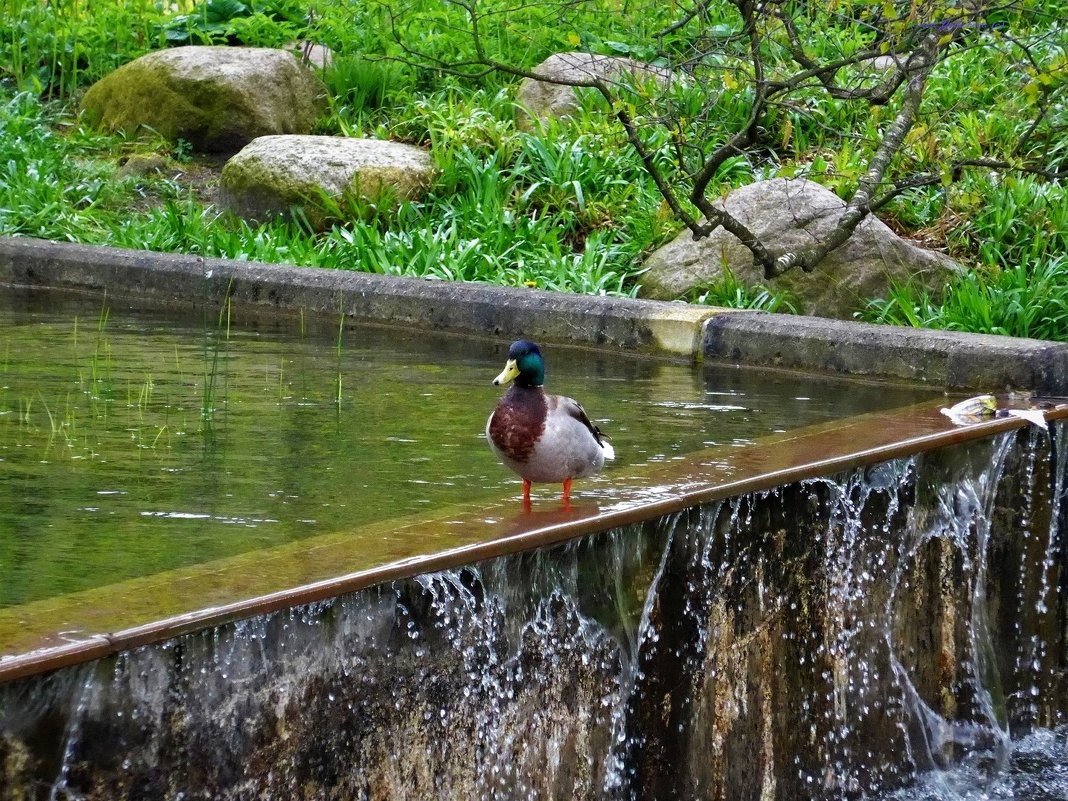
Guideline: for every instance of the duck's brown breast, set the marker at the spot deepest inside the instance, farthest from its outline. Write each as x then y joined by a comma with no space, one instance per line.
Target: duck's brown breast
518,422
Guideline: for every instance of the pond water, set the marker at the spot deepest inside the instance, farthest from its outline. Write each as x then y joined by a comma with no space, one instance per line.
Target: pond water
133,442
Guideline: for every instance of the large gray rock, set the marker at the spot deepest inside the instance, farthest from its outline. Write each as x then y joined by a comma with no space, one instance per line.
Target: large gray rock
540,101
323,175
216,98
786,215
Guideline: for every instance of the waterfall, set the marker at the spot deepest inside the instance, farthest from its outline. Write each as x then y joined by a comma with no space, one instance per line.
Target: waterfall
901,625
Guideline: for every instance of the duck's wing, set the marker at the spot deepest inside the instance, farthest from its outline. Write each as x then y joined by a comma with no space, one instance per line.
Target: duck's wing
573,408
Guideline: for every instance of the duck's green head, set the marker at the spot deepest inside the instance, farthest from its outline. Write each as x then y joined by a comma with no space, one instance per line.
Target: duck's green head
524,365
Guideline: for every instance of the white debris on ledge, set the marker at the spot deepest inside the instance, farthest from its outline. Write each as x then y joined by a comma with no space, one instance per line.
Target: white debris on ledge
982,407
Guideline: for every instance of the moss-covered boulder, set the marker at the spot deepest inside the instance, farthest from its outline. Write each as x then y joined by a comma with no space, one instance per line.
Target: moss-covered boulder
331,179
216,98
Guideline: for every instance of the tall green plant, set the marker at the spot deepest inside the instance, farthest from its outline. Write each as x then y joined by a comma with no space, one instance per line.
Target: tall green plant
1028,300
52,49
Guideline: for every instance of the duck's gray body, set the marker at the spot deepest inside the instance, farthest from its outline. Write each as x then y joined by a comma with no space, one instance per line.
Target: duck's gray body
545,438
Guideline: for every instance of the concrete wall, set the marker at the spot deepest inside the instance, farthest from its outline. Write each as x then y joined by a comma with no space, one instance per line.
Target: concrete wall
943,359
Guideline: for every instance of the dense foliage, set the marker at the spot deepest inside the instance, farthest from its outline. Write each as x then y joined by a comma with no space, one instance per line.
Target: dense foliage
573,209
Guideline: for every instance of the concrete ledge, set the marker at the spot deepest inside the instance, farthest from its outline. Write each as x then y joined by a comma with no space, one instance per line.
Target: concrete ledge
134,612
944,358
940,358
643,325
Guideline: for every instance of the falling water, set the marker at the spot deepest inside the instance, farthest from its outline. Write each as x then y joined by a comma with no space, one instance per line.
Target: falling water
897,632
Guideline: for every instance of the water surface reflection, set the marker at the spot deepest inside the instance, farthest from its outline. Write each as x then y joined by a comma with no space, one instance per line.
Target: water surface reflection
134,442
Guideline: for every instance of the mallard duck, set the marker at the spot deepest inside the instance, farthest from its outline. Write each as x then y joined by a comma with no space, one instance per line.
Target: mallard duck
542,437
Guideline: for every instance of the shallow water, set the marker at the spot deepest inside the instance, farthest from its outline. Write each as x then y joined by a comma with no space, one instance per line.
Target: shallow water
133,442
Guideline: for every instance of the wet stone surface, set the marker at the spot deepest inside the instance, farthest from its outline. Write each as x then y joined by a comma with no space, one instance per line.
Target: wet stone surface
835,638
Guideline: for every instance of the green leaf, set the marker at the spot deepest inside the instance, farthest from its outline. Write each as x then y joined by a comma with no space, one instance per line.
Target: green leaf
225,10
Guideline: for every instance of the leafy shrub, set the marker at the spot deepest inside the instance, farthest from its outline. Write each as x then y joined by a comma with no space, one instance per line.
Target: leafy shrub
268,23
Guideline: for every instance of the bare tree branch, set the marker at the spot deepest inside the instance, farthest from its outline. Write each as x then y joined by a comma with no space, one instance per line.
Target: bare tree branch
698,195
699,9
646,156
921,63
825,73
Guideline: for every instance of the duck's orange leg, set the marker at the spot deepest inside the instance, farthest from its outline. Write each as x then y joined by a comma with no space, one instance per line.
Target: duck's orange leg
526,492
567,492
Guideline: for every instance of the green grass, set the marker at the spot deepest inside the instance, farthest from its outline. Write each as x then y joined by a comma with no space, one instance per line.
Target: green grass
1023,301
540,221
1015,229
732,293
572,209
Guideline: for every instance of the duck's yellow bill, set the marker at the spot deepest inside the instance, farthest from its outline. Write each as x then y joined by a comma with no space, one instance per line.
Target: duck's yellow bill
508,374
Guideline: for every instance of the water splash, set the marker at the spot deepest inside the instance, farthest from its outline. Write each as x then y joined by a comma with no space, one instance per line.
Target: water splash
895,626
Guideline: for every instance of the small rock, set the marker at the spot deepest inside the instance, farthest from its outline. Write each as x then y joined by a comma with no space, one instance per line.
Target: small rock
321,174
313,54
540,101
884,63
216,98
142,164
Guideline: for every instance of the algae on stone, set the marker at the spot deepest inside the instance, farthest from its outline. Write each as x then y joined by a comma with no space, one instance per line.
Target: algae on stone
330,178
216,98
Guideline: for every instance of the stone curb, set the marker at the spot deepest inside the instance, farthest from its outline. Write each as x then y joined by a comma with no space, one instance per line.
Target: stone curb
481,309
946,359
